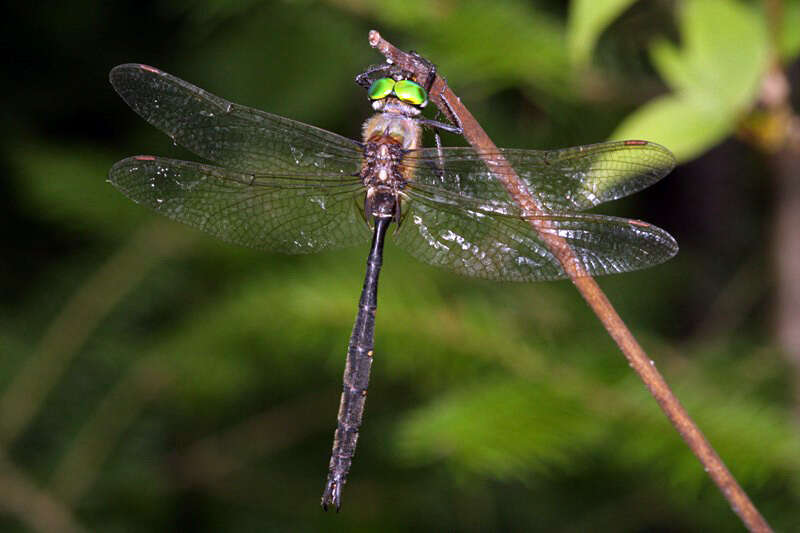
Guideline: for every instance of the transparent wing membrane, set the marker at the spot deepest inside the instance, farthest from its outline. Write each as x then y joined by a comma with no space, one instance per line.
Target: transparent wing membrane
281,214
507,248
232,135
281,185
571,179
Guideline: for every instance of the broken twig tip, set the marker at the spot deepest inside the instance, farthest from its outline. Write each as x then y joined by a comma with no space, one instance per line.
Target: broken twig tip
374,38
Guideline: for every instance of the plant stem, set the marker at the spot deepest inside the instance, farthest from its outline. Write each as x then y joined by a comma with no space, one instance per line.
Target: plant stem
451,105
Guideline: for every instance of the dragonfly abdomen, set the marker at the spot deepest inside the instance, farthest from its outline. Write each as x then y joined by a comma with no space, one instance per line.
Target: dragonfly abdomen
357,370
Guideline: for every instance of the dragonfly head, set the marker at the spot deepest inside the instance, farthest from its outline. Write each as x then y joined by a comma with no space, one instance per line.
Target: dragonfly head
385,90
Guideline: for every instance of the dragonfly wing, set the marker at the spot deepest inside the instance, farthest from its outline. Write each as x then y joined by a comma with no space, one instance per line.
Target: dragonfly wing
499,247
289,215
570,179
229,134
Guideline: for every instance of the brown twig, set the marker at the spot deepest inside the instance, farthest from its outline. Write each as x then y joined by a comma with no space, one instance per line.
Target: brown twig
779,140
83,462
451,105
36,508
214,457
68,332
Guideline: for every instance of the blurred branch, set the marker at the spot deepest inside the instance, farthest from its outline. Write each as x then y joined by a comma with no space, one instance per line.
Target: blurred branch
34,507
777,134
787,256
94,442
69,331
451,105
786,251
211,458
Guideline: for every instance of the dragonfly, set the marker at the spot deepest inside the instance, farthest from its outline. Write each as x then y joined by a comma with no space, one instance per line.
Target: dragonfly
276,184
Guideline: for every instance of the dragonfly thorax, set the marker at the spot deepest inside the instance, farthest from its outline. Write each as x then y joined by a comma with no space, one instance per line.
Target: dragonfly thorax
394,123
383,173
387,138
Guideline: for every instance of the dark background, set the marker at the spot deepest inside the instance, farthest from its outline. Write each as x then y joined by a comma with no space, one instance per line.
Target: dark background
152,378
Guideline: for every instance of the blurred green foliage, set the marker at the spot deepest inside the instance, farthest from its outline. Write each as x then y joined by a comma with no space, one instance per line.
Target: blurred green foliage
154,379
714,77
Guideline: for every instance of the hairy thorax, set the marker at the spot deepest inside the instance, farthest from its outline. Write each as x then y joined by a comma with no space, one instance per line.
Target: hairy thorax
387,138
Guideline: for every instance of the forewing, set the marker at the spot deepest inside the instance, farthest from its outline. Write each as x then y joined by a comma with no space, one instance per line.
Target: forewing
571,179
290,215
232,135
506,248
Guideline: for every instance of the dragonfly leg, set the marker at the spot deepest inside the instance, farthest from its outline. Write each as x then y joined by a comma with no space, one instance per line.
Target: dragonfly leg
365,79
398,217
440,162
436,125
428,85
444,126
431,77
373,72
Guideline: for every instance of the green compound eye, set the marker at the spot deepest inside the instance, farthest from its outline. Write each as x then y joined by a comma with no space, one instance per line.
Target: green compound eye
410,92
380,88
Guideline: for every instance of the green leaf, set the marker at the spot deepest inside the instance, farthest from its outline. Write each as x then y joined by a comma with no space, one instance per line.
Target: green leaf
725,50
715,75
671,63
587,20
687,126
789,35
